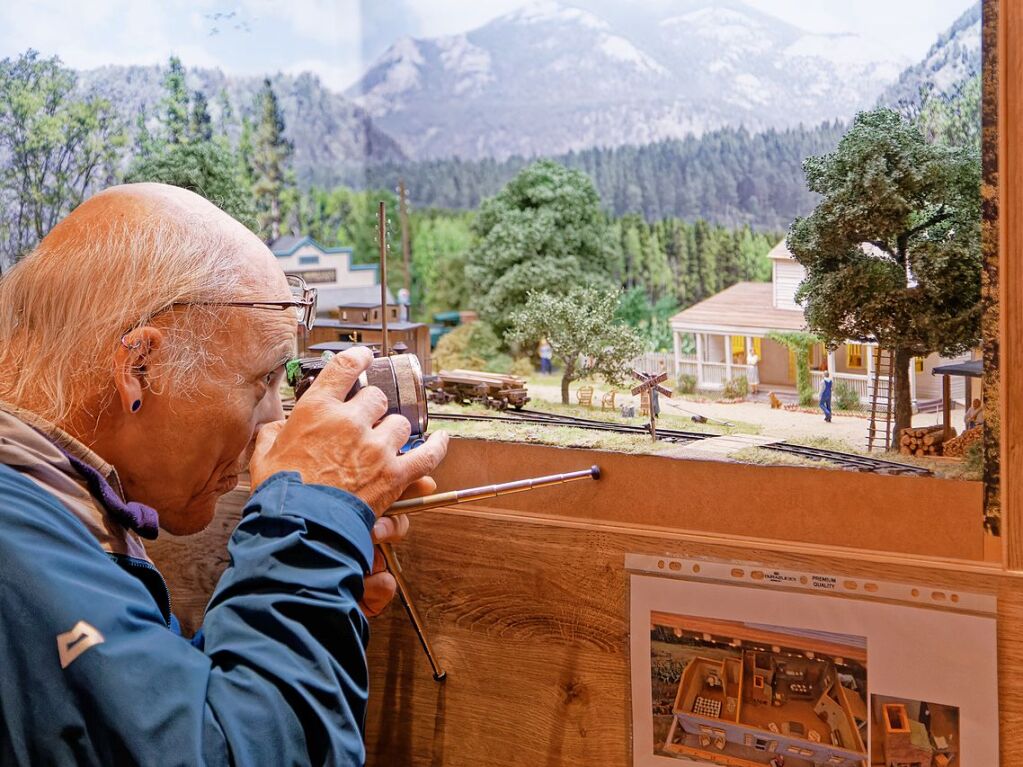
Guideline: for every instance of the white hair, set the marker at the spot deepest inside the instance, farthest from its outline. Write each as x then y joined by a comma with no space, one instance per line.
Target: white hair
66,306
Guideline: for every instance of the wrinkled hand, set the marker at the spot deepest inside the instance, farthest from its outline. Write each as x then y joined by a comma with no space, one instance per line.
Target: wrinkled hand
348,445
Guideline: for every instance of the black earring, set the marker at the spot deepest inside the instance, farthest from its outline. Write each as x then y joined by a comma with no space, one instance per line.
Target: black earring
136,405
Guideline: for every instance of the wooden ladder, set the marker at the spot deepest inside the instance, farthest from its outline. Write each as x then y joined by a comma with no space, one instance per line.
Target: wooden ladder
879,432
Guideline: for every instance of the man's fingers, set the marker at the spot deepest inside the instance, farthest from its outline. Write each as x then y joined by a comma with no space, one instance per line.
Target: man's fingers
339,375
379,591
396,430
425,458
422,486
389,530
370,401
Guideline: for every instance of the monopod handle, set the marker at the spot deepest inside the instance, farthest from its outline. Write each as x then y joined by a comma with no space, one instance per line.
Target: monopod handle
453,497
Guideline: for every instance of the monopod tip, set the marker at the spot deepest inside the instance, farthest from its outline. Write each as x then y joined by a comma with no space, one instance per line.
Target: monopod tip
441,676
595,471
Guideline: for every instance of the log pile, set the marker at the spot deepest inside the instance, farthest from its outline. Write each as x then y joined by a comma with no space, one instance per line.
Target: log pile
925,440
957,447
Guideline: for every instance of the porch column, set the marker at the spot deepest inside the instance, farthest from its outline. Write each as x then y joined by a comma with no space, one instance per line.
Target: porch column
832,365
912,383
869,349
676,337
728,357
699,359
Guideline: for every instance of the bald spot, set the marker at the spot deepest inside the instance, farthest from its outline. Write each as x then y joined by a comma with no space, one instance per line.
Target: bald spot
130,204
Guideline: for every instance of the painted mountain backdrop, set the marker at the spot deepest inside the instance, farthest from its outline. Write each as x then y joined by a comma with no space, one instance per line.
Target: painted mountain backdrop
550,78
707,112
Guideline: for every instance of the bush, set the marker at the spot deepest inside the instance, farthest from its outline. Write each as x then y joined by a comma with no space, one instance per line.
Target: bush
846,396
736,388
470,346
686,383
500,363
522,367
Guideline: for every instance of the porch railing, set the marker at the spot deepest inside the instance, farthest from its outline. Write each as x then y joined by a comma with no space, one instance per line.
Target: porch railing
859,382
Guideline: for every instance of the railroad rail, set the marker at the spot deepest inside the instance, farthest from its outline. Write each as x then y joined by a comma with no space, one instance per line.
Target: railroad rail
850,461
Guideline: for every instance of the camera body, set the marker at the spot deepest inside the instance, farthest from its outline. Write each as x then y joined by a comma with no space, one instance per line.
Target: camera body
399,377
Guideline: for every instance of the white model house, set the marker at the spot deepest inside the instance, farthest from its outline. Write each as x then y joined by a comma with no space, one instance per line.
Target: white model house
337,280
728,328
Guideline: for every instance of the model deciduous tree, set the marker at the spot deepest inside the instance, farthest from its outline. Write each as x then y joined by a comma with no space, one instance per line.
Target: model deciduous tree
543,232
581,329
56,146
206,168
892,250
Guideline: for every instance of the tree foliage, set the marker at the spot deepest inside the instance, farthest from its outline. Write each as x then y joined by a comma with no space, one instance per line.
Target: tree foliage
581,329
175,103
271,154
200,124
56,145
543,232
205,168
801,345
469,347
892,251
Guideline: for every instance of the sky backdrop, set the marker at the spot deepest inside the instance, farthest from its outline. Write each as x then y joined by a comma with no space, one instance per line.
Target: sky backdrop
336,39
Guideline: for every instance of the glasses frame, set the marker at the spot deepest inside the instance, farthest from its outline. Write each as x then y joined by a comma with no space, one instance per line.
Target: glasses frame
306,303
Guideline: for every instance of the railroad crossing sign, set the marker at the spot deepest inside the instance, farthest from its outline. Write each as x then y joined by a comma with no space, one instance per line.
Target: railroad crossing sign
650,383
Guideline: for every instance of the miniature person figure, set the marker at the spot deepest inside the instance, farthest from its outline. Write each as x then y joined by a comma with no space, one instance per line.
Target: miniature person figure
777,761
546,355
753,363
974,415
825,400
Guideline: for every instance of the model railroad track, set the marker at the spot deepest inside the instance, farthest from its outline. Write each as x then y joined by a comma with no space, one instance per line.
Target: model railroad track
849,461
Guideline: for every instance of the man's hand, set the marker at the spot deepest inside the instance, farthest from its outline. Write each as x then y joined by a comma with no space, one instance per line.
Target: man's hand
346,444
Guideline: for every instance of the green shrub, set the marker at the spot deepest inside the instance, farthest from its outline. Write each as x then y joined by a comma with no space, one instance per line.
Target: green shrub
469,346
500,363
736,388
522,367
686,383
846,396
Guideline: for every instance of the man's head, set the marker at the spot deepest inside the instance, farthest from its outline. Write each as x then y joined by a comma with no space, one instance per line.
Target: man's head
109,329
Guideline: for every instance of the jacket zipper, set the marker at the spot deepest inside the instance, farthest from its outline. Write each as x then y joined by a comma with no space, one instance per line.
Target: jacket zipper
141,564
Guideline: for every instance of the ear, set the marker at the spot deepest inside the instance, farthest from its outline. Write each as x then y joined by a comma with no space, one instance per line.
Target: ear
131,365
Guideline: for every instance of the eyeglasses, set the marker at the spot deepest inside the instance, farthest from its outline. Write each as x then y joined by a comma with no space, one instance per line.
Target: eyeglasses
304,302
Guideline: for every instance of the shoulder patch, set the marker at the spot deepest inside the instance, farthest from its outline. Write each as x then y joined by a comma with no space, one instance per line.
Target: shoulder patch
73,643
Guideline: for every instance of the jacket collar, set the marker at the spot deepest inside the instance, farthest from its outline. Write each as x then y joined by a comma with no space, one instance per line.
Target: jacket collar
86,484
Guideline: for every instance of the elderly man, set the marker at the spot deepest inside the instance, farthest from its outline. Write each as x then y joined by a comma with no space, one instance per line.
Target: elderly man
142,347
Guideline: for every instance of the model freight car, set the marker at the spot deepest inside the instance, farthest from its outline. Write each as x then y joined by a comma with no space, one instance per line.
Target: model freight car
477,387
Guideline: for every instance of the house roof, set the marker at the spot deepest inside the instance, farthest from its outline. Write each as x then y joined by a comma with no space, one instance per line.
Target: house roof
287,244
781,252
331,298
970,369
746,308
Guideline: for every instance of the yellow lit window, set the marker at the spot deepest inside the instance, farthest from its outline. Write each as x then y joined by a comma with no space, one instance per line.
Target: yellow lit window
756,347
792,364
919,364
854,356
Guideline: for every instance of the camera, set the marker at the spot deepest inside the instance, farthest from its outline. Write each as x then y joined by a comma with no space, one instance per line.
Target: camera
399,377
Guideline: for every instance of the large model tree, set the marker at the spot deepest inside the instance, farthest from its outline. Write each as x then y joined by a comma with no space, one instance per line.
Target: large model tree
271,153
581,329
543,232
175,102
55,146
892,251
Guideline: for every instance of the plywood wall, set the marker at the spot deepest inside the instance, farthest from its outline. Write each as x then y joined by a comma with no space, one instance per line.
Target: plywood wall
526,600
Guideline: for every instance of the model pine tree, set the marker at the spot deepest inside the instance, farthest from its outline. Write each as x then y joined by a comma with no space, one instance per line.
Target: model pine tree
271,154
200,125
892,250
581,329
175,102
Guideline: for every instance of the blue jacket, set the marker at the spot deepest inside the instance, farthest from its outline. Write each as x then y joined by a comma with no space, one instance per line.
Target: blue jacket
278,675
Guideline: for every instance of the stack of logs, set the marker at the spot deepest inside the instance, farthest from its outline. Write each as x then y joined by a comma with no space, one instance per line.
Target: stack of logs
926,440
957,447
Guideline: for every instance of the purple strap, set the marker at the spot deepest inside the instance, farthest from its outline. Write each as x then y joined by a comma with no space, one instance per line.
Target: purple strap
135,516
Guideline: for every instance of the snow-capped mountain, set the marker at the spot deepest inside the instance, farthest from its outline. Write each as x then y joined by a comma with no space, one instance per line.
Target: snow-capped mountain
955,57
551,78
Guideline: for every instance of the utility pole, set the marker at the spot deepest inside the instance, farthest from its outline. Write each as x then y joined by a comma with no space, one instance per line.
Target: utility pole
403,216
